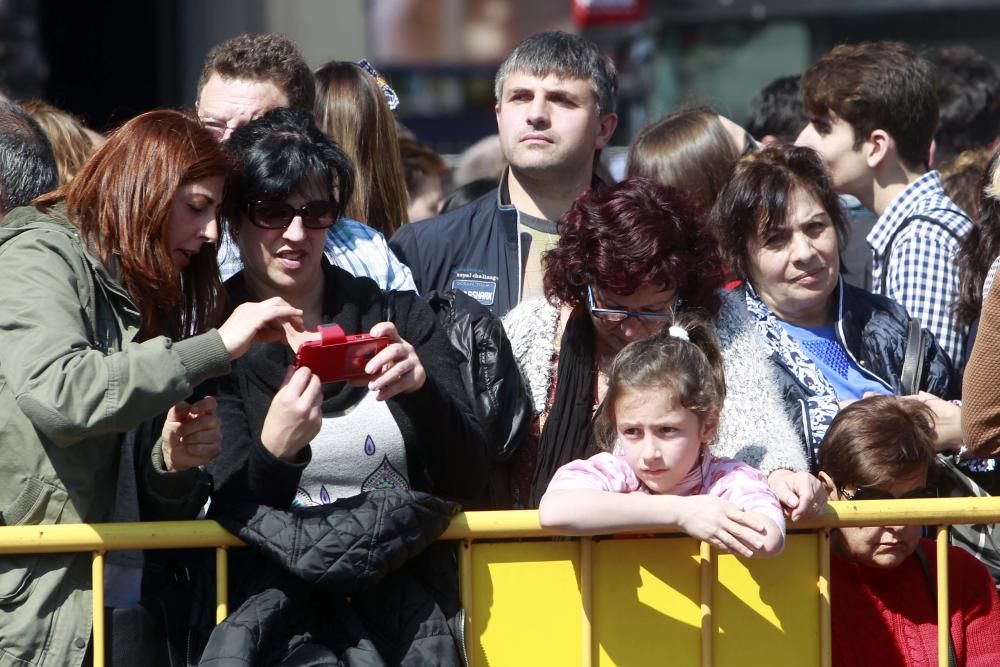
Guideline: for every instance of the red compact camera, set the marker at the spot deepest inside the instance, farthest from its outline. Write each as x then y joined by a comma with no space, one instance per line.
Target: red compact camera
336,356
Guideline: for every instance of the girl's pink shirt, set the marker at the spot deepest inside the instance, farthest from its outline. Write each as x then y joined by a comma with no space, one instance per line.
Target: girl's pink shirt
729,479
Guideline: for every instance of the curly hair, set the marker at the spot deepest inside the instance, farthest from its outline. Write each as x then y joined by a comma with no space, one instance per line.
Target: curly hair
270,57
636,233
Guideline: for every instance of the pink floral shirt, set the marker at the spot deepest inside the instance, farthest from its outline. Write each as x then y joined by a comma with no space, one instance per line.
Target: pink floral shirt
729,479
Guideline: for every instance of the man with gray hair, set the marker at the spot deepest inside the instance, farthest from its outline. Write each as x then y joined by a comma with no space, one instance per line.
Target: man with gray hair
27,164
555,110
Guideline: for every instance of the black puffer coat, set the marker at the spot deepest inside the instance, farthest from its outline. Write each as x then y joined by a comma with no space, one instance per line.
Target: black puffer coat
359,582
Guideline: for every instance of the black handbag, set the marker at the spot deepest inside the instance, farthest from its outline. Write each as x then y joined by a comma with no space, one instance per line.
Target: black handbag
980,540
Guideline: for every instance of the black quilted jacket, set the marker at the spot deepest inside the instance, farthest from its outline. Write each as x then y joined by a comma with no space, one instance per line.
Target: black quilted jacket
360,582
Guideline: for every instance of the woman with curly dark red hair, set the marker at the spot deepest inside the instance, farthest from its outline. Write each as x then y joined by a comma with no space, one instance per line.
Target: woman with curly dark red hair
628,257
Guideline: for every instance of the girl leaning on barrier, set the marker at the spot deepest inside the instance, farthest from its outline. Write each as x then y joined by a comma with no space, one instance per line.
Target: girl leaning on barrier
628,258
107,305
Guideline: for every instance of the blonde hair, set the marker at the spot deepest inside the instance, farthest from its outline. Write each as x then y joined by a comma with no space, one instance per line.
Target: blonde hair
70,142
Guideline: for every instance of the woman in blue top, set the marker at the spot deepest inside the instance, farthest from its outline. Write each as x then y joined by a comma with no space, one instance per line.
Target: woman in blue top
780,225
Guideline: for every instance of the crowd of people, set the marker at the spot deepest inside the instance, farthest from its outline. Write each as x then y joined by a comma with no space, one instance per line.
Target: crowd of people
751,323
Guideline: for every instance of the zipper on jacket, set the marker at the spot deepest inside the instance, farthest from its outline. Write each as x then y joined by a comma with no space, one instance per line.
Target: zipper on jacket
462,648
842,339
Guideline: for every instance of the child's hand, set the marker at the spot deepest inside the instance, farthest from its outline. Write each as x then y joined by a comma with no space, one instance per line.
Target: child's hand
720,523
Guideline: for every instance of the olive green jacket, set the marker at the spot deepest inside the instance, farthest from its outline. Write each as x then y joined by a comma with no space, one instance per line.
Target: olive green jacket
73,381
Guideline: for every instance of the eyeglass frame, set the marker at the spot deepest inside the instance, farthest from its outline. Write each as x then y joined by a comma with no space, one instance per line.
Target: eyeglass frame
642,317
928,491
296,212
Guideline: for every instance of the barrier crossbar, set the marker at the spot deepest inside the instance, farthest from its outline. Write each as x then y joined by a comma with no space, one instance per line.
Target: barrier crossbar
593,600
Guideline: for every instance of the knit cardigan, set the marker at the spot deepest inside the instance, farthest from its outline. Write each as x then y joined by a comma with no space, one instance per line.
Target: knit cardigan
753,426
887,617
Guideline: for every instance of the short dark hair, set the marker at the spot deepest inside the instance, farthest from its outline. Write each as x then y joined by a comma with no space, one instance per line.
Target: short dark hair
567,56
777,110
872,86
269,57
27,164
277,154
689,149
636,233
757,197
877,440
968,93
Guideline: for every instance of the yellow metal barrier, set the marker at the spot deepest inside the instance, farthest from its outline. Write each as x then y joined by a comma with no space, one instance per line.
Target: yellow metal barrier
532,597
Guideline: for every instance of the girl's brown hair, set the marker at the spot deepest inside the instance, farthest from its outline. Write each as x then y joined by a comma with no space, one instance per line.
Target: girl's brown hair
689,150
121,201
690,370
351,109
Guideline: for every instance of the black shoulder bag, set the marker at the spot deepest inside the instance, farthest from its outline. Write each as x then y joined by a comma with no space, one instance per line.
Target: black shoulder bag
980,540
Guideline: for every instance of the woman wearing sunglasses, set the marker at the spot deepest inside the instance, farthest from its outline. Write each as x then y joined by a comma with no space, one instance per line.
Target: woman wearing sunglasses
333,466
289,438
628,256
883,578
781,227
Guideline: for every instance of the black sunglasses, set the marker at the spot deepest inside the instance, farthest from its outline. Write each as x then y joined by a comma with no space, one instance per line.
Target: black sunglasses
317,214
871,493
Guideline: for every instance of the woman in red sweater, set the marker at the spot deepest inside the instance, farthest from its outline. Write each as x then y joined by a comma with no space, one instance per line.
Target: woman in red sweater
883,607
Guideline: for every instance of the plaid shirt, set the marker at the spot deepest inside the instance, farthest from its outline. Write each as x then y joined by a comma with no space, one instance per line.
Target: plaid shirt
351,245
922,275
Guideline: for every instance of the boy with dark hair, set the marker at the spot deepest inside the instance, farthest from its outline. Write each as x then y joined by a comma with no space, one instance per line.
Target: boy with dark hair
882,578
776,112
968,93
872,113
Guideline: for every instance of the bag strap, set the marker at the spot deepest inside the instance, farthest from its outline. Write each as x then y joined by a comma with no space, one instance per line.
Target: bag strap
925,566
913,358
906,223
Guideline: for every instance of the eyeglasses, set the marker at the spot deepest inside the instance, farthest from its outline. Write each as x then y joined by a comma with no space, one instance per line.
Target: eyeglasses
871,493
318,214
619,316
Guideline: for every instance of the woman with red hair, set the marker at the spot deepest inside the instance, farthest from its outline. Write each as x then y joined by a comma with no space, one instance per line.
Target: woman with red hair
109,289
628,258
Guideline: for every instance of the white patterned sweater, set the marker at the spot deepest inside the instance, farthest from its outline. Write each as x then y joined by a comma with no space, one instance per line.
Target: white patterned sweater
753,426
